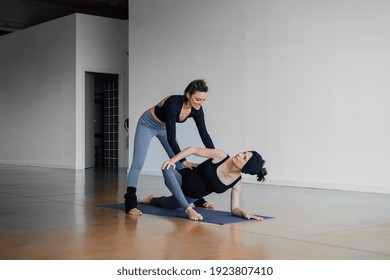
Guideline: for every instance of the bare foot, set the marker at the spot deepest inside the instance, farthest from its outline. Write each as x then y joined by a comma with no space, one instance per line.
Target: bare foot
208,205
135,211
146,200
193,215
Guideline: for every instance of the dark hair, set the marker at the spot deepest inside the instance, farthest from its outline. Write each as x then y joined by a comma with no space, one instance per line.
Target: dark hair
195,85
261,175
255,166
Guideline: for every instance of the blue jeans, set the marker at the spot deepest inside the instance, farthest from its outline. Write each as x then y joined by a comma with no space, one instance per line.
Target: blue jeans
147,128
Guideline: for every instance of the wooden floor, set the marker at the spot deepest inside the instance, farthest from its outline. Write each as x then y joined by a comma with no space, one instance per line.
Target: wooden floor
53,214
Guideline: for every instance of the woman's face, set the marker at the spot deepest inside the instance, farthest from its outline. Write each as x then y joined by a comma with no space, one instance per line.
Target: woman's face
241,159
197,99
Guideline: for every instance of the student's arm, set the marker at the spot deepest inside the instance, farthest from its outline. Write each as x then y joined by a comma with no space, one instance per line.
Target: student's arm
235,204
214,154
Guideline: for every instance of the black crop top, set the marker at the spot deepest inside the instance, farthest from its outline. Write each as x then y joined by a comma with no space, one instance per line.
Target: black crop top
169,113
203,180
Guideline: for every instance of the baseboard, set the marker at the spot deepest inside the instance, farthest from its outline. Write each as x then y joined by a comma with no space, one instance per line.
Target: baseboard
321,185
34,164
151,173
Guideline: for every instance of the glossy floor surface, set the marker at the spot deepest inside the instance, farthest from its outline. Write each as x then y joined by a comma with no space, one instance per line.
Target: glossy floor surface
54,214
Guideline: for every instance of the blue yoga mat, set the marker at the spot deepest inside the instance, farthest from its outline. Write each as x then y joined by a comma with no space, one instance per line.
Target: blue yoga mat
209,216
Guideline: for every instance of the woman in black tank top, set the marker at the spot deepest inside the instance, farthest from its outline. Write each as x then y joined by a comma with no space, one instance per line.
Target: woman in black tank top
217,174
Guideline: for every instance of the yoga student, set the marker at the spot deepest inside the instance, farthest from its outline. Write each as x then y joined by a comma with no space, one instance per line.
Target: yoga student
160,121
217,174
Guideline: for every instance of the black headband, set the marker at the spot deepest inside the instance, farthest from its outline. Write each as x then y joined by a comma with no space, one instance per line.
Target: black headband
254,164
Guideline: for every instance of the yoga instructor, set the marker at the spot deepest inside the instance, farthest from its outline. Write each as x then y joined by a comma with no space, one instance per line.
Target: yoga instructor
160,121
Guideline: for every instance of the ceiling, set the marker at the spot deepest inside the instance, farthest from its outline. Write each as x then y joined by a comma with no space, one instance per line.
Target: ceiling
19,14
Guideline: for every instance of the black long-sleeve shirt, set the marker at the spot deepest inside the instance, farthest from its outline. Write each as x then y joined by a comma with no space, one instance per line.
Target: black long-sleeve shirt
169,113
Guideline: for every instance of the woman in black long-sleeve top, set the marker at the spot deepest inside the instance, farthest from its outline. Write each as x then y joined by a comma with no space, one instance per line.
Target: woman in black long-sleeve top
160,121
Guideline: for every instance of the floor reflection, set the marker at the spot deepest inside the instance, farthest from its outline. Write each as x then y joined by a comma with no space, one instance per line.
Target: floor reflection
53,214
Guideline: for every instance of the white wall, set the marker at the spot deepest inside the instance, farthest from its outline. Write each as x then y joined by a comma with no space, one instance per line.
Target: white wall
42,87
37,84
101,47
303,82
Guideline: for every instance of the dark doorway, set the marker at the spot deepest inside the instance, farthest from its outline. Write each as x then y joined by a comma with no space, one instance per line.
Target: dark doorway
105,120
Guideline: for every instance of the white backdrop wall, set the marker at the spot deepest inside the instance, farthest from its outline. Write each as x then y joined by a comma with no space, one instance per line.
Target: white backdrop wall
304,82
42,88
37,85
102,48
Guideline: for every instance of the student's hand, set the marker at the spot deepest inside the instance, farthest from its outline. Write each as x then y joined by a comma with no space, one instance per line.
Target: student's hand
248,216
166,164
189,165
